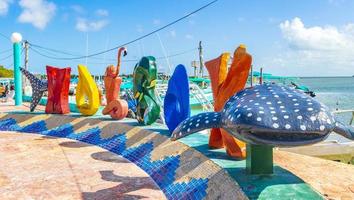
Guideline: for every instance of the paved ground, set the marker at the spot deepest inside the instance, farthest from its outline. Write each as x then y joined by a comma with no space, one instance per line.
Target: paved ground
334,180
36,167
9,106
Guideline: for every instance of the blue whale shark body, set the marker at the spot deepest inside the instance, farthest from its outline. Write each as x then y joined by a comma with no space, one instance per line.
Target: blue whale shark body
269,114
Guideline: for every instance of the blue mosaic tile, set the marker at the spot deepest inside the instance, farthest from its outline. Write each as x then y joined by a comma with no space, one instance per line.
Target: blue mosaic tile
135,154
163,171
8,125
197,190
91,136
62,131
115,144
35,127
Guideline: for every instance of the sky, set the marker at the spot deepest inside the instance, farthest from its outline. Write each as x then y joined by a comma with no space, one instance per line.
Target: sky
289,38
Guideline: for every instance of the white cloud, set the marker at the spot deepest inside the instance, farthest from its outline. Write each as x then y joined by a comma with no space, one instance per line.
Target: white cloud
85,26
36,12
102,12
189,36
314,38
316,50
4,6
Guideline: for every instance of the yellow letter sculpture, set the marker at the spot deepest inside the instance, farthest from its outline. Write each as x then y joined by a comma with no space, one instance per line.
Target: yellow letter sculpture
87,96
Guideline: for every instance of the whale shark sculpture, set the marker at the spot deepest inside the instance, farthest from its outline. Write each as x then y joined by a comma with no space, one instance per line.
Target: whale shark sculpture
269,114
38,88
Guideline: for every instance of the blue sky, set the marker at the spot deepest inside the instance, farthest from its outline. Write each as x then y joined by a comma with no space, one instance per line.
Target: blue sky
295,38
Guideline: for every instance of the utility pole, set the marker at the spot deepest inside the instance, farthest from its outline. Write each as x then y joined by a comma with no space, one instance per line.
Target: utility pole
26,47
194,65
26,54
201,62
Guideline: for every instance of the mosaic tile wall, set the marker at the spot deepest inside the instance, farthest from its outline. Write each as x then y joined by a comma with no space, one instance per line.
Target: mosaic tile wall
180,171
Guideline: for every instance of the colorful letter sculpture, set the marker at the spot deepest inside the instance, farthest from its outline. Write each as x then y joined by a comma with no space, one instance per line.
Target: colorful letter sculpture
38,88
176,102
270,115
224,84
58,90
87,96
144,80
116,108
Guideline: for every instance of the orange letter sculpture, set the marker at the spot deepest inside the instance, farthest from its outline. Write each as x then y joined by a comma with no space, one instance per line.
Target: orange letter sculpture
224,84
117,108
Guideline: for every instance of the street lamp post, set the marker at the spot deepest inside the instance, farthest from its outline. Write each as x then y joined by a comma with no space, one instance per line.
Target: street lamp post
16,39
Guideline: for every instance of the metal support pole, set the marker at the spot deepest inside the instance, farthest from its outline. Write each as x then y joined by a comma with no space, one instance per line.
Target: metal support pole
16,39
259,158
251,75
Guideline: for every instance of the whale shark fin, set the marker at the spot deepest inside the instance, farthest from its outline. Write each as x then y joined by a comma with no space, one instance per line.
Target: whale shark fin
38,88
344,130
197,123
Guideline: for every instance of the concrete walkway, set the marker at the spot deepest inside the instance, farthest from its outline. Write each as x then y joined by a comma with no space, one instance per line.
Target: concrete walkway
38,167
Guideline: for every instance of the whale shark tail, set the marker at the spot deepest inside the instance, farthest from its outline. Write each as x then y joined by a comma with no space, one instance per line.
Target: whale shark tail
344,130
38,88
197,123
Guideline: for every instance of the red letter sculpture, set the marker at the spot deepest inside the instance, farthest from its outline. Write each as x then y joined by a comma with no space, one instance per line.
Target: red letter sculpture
58,90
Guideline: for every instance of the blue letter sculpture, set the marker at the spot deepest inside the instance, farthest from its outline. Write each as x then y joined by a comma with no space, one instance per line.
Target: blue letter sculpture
176,102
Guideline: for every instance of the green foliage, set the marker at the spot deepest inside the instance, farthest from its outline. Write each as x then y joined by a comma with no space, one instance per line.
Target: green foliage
6,73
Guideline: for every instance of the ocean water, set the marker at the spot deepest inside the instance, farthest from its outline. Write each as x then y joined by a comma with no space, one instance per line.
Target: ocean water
335,92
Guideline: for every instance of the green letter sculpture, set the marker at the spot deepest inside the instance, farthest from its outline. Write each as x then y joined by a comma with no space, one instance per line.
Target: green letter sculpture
145,75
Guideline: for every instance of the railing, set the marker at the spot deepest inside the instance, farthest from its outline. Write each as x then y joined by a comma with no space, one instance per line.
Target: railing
346,111
198,94
195,92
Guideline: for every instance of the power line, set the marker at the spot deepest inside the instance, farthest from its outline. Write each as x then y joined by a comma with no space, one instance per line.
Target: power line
53,50
6,57
53,55
141,37
9,56
4,36
132,60
157,58
5,51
